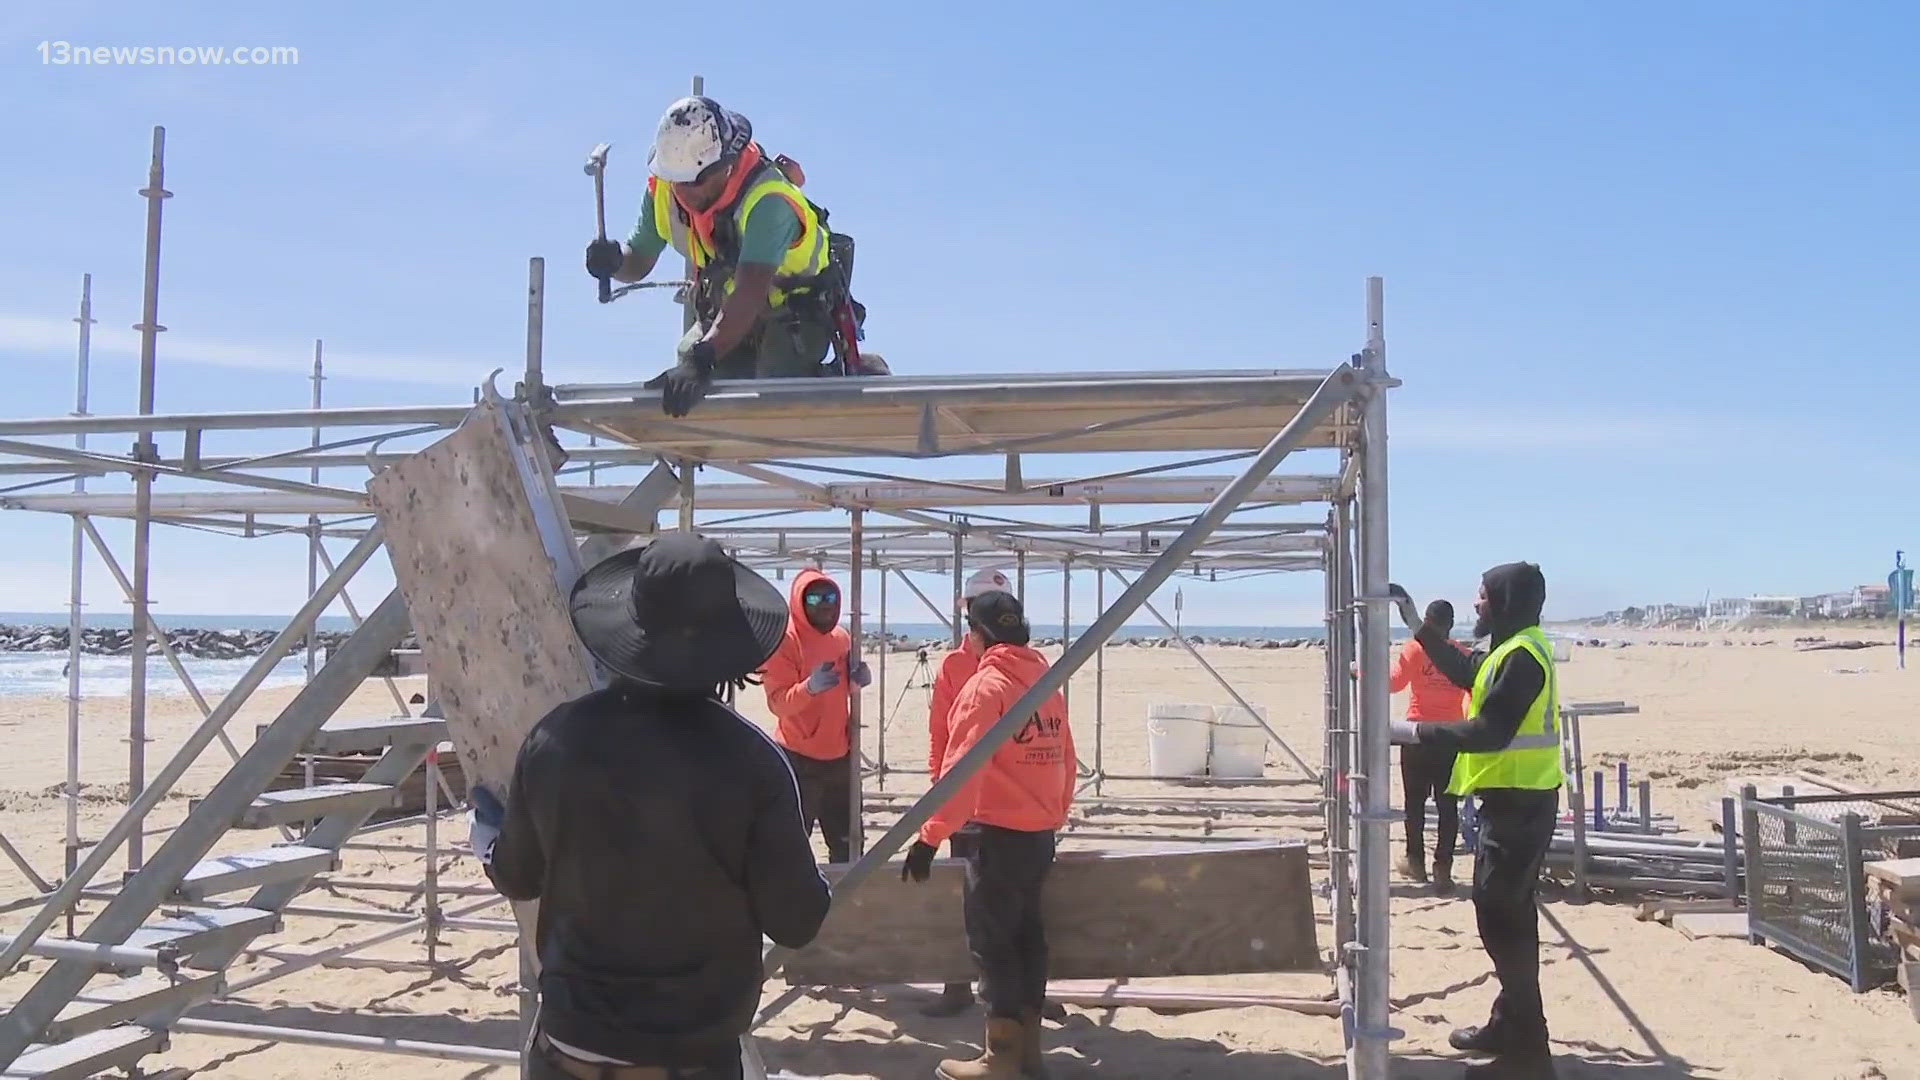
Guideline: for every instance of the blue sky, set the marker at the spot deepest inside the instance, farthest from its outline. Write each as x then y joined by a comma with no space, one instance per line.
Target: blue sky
1651,269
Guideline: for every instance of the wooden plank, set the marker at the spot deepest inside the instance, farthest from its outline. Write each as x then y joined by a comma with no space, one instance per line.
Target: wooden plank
1664,911
486,588
1187,910
1711,924
1092,995
1900,875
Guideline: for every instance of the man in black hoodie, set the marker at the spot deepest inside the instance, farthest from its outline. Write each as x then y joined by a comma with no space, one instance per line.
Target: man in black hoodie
1509,755
659,830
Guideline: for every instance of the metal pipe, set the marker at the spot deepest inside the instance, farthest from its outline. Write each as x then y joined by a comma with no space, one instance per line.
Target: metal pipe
1020,573
76,622
856,832
1335,390
1306,770
314,959
533,381
1340,659
1066,623
119,832
958,626
336,1040
98,954
886,655
313,520
144,450
1099,691
1370,1057
432,795
686,494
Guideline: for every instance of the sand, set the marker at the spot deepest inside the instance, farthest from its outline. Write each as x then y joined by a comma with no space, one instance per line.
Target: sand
1626,998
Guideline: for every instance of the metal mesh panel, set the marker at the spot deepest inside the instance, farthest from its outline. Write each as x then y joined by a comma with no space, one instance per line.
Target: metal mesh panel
1799,887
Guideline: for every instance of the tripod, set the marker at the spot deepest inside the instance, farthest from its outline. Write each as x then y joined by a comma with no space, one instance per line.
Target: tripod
921,677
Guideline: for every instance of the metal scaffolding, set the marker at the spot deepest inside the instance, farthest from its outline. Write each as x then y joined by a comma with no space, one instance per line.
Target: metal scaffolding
778,436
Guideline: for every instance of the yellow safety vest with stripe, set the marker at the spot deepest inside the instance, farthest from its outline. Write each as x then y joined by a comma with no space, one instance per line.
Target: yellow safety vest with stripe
805,259
1532,760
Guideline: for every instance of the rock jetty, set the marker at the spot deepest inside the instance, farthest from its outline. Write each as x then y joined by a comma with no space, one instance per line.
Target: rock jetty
199,644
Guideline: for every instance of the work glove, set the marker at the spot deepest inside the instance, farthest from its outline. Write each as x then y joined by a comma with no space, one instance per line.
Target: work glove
1403,732
605,258
861,674
685,383
919,864
485,816
823,679
1409,612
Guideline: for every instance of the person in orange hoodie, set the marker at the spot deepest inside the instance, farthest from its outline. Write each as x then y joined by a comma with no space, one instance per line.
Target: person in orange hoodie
806,684
1016,805
955,669
1427,770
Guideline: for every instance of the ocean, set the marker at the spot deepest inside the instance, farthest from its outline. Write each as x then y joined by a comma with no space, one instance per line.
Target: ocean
44,673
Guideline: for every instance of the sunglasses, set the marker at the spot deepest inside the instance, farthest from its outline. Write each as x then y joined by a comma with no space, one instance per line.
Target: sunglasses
822,599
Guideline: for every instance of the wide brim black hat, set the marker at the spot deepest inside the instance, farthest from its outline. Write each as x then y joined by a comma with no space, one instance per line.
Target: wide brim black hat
678,613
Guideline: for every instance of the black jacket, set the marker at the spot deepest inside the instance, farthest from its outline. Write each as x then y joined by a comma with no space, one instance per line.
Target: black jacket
662,837
1516,593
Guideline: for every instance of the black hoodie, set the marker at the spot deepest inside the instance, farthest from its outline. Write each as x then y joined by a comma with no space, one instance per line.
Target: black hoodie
1516,592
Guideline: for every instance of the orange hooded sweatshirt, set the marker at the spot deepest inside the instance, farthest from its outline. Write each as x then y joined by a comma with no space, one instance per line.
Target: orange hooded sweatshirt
812,725
955,669
1029,783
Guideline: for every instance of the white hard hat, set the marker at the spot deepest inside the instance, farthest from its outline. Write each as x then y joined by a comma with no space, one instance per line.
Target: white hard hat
986,581
695,134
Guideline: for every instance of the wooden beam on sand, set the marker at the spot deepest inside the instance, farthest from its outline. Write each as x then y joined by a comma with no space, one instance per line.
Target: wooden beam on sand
1183,910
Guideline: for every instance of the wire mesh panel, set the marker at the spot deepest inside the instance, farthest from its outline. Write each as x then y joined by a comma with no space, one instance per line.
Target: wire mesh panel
1797,888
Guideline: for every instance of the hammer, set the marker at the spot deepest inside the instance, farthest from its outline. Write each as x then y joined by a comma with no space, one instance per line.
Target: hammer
597,168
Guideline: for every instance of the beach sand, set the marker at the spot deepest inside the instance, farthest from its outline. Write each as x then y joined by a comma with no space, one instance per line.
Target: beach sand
1626,998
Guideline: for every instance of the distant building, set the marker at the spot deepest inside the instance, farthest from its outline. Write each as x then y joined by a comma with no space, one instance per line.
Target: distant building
1869,602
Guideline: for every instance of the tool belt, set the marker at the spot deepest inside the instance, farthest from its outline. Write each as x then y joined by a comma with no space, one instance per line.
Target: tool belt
601,1070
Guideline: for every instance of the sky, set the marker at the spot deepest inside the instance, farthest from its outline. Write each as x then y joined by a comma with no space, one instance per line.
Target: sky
1650,269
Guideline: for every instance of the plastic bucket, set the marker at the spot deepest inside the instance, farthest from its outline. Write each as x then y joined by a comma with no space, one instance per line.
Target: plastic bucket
1177,739
1239,743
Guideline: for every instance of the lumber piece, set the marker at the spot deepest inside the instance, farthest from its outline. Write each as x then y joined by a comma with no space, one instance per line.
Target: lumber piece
1901,876
1183,910
1664,911
1711,924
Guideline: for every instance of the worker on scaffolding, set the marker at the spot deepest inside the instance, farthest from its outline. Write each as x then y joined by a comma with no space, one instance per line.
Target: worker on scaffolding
806,681
955,669
1509,757
1015,806
771,283
1428,770
659,830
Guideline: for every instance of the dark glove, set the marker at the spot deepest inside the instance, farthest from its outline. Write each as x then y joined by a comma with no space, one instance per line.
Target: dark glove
685,383
1409,612
862,675
919,864
605,258
1403,732
484,820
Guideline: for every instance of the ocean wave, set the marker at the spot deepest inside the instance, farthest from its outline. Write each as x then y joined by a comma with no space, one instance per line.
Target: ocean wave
45,675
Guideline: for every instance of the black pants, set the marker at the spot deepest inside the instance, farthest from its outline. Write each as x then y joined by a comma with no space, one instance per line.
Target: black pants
1515,829
1424,771
1006,874
826,793
960,846
549,1064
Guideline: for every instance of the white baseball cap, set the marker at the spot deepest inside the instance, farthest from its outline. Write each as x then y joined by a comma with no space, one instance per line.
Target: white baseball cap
985,581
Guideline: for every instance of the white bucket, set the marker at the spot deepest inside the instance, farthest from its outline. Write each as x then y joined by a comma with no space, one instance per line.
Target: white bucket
1239,743
1562,650
1177,740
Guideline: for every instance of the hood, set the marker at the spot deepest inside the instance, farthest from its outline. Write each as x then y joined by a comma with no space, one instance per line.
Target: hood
796,611
1017,662
1516,593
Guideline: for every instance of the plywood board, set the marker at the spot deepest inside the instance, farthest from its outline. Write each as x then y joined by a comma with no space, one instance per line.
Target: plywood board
1711,924
1902,876
1188,910
484,588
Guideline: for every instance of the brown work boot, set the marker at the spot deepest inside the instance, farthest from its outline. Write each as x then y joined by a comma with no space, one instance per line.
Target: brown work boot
1413,870
1443,877
1002,1058
1033,1062
954,999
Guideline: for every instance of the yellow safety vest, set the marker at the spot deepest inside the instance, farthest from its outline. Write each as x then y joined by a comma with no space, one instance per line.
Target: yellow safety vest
805,259
1532,760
